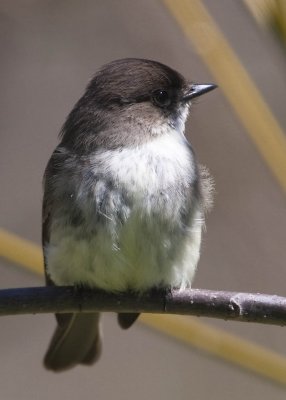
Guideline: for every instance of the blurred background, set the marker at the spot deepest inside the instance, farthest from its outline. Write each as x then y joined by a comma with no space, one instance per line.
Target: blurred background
49,51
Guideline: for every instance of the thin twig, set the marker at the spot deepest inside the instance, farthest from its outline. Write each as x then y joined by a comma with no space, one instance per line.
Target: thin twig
246,307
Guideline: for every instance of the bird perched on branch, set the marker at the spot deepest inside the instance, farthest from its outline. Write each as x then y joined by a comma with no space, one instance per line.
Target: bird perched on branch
124,197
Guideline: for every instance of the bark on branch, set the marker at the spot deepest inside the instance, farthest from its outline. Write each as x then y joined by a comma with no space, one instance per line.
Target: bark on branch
246,307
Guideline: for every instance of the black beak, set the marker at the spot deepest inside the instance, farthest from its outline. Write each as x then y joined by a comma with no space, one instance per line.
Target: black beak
196,90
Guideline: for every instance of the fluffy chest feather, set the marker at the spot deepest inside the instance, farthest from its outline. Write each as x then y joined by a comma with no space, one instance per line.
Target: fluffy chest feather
156,165
141,225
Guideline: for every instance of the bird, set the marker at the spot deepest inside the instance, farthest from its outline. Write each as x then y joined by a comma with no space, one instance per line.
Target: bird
124,197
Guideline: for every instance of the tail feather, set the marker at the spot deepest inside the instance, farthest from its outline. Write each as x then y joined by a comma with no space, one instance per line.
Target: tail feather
76,341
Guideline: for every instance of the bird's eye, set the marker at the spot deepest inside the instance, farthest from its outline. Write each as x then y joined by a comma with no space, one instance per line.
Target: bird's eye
161,98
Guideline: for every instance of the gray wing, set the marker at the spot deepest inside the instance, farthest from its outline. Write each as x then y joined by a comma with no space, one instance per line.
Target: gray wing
76,339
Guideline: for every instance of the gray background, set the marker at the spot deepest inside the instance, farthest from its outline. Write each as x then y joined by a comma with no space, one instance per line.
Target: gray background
49,51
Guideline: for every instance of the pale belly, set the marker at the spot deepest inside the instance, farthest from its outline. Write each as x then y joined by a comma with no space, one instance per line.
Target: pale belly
145,255
150,243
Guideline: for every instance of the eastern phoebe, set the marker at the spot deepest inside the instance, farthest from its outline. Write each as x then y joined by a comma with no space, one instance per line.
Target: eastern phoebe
124,199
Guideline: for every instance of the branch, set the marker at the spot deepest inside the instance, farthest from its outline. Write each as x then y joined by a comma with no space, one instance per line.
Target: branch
246,307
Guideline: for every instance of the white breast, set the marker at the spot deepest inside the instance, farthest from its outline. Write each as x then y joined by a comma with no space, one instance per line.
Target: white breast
146,250
157,163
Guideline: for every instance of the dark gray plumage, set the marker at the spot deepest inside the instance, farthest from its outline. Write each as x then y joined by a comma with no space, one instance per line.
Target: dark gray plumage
124,197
